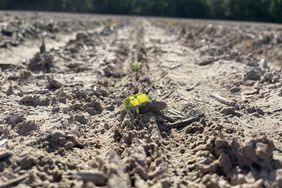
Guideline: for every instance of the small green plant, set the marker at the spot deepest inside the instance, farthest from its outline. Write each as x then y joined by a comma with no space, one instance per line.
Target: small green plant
133,102
135,67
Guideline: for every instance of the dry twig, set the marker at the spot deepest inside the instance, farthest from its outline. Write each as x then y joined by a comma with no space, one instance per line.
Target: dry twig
14,182
185,122
224,100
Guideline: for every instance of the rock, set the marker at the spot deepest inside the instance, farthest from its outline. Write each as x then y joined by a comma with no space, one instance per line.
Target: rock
263,64
35,100
27,162
26,127
228,111
97,177
81,118
251,75
15,118
54,84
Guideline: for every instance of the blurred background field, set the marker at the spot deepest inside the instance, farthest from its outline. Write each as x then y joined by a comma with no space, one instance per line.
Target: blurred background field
247,10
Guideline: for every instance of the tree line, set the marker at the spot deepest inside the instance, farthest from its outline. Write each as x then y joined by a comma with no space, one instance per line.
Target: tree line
251,10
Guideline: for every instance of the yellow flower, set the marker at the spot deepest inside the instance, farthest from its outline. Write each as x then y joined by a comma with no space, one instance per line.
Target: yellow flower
135,100
127,104
142,98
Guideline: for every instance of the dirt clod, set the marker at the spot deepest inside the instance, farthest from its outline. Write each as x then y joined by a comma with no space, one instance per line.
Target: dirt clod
26,127
98,178
26,162
59,140
41,62
252,75
35,100
54,84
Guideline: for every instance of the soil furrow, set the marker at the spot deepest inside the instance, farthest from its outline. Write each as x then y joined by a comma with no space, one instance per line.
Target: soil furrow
213,118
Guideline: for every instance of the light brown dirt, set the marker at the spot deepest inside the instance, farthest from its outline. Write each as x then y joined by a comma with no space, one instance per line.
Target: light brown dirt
214,120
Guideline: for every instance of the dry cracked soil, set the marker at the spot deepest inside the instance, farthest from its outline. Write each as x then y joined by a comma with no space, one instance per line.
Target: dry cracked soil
214,118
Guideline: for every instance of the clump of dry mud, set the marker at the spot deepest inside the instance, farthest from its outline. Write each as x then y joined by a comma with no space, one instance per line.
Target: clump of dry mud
213,120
